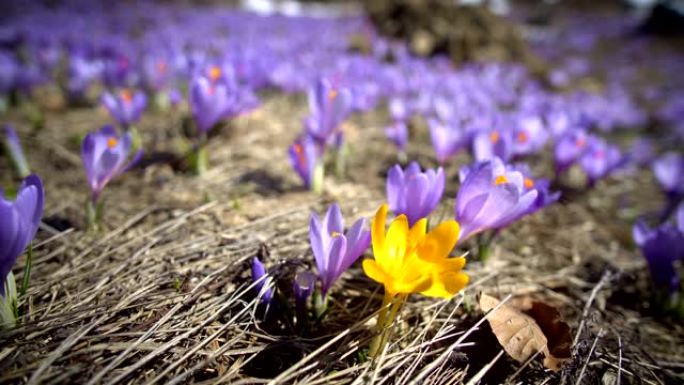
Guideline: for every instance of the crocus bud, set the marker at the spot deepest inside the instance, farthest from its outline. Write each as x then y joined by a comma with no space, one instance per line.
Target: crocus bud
263,281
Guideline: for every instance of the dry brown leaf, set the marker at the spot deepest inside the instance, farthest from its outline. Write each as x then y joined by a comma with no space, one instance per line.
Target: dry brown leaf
520,334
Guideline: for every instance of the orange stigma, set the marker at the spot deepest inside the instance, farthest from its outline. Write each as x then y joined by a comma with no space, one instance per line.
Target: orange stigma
299,150
127,95
529,183
112,142
162,66
501,179
494,136
214,73
522,137
332,94
580,142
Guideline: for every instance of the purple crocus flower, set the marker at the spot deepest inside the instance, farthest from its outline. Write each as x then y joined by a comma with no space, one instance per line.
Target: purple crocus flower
669,172
530,135
569,148
304,159
398,133
126,106
493,144
491,197
19,222
105,155
260,276
413,192
544,195
329,106
333,249
398,110
662,247
446,140
213,100
600,160
16,154
303,286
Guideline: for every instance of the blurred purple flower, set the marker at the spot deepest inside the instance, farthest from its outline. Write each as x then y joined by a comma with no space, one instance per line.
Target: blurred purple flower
600,160
446,140
493,144
662,247
569,148
398,110
329,106
263,281
413,192
530,135
304,159
126,106
398,133
491,197
19,222
334,250
669,172
105,156
214,98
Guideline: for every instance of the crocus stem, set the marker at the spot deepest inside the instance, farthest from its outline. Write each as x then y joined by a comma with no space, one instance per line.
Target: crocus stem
402,157
161,101
317,178
94,210
9,311
27,270
484,243
385,320
136,139
16,155
341,160
302,316
320,304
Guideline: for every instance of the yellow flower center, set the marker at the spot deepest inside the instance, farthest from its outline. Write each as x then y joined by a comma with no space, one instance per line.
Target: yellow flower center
214,73
335,234
501,179
112,142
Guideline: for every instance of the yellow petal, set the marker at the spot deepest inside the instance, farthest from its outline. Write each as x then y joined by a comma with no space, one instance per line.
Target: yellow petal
378,231
439,242
417,232
415,286
446,284
374,272
395,244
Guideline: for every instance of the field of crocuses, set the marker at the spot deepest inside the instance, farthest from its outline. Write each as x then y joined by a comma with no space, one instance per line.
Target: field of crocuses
200,194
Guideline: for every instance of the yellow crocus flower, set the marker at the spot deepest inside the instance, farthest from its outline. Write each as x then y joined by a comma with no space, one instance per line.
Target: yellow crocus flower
409,260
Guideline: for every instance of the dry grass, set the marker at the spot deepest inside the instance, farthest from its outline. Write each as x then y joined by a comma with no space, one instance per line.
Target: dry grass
163,295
